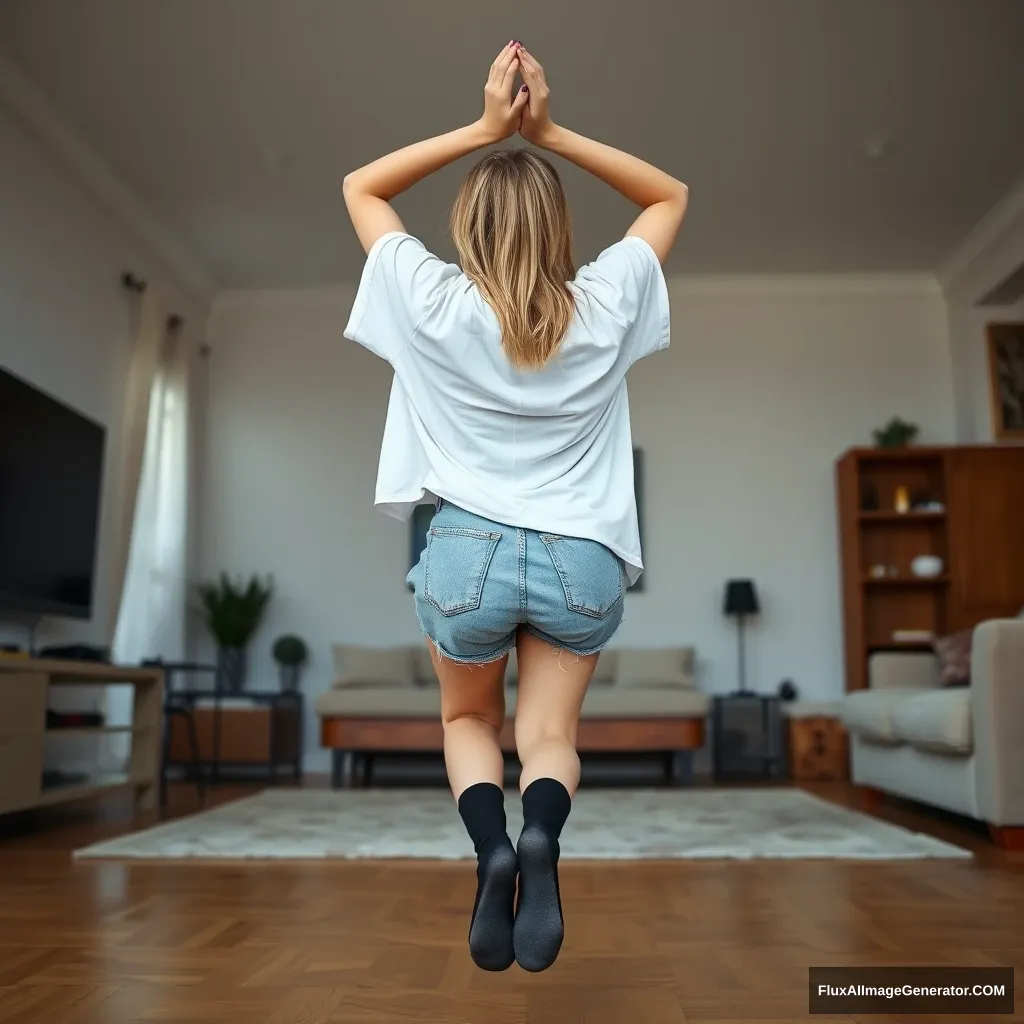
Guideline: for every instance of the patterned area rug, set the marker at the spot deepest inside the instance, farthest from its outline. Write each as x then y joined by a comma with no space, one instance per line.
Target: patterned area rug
289,824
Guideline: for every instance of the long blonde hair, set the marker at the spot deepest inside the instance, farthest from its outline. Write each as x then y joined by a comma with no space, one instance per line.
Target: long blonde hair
510,224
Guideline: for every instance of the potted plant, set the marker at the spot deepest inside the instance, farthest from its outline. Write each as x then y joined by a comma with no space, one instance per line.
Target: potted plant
897,433
290,653
232,613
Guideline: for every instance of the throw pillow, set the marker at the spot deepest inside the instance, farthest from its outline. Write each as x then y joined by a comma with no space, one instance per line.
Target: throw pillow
422,667
954,653
606,668
654,667
356,666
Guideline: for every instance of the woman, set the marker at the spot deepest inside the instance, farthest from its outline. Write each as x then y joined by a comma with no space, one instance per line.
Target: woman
509,407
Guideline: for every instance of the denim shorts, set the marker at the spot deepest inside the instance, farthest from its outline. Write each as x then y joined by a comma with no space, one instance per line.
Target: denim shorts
477,582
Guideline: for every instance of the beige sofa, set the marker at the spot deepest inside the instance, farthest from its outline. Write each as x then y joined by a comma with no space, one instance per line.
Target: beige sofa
387,700
958,748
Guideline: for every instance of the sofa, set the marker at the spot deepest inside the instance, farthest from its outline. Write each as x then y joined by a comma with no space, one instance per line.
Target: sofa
386,700
956,747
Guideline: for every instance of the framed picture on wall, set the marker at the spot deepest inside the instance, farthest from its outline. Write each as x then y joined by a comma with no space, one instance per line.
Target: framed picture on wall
638,488
1006,376
419,522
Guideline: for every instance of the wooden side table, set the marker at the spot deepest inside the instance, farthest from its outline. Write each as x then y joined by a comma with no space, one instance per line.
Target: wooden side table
236,733
818,746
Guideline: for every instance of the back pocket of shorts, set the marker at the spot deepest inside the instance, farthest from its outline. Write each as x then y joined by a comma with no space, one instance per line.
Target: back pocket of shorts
591,575
455,566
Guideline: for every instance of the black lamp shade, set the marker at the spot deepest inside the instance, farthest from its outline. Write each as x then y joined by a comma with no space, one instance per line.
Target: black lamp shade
741,598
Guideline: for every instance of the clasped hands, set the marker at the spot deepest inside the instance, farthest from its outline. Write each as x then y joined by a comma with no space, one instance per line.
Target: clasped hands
527,111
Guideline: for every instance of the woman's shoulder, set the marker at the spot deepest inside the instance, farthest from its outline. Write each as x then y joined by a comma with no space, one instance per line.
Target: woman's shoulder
623,294
621,265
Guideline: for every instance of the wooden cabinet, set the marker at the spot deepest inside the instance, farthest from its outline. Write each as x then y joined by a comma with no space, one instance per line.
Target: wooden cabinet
25,685
22,738
818,749
963,505
248,735
986,534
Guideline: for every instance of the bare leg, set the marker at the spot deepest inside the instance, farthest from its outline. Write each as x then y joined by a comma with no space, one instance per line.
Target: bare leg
552,685
472,712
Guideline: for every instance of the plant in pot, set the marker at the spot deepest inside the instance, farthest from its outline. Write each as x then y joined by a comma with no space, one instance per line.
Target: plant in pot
232,613
290,653
897,433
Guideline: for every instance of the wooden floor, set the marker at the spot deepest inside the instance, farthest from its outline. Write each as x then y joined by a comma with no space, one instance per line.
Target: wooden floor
362,943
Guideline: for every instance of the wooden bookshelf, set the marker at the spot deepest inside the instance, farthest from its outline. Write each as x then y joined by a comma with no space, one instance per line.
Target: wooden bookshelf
976,532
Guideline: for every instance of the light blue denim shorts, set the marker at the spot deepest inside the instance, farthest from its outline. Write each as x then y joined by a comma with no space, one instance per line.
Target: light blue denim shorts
477,582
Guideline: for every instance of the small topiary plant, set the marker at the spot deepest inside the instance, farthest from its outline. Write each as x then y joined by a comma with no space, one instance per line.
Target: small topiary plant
290,651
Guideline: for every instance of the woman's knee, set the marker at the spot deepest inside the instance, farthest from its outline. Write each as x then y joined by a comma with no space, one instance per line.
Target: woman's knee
493,718
546,735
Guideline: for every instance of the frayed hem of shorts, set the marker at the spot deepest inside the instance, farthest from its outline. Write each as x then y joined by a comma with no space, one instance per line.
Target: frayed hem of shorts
580,653
487,659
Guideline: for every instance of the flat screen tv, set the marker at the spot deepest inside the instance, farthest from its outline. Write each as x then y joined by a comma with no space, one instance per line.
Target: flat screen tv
51,474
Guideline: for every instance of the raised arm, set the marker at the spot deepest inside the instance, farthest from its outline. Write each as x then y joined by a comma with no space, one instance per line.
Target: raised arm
663,198
369,190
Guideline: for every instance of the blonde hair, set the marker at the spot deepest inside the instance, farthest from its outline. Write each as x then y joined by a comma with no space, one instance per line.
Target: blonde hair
510,224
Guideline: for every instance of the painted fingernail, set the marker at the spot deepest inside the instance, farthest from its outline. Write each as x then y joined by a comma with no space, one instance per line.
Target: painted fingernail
524,89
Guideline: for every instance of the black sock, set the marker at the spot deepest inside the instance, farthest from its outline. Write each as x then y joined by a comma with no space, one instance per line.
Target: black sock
546,802
538,930
482,807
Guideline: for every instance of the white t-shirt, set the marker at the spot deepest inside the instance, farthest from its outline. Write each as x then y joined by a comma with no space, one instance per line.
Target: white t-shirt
547,450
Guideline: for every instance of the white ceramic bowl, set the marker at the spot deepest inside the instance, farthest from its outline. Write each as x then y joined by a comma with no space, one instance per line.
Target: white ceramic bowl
926,566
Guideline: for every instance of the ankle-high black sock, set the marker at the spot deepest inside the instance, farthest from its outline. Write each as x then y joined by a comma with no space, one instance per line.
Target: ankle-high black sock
538,930
482,808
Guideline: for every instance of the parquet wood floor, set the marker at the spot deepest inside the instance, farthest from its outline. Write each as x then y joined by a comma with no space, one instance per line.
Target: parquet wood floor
368,943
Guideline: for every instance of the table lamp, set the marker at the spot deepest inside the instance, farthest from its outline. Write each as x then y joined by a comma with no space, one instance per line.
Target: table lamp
741,601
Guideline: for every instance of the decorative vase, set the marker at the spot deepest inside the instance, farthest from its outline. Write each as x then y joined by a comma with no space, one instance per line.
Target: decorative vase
231,668
289,678
926,566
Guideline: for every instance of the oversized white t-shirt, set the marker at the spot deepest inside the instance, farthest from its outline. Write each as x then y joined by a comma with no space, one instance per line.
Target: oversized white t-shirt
547,450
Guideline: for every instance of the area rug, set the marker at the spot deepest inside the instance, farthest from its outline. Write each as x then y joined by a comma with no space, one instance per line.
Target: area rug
295,824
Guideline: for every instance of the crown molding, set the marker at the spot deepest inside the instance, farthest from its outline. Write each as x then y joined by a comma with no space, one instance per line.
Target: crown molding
1003,218
32,108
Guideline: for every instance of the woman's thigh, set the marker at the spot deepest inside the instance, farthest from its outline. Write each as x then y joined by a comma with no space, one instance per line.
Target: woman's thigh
471,691
549,695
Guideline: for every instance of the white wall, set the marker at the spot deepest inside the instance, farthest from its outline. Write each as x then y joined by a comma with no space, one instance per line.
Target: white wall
65,325
65,321
741,421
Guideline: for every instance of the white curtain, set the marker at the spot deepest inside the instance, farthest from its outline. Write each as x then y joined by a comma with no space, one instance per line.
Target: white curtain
151,617
147,354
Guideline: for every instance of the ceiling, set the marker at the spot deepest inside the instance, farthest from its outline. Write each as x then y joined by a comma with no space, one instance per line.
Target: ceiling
235,120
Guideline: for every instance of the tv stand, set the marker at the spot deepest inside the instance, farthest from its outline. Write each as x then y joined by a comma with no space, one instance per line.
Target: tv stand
24,697
75,652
